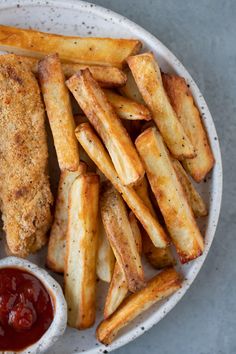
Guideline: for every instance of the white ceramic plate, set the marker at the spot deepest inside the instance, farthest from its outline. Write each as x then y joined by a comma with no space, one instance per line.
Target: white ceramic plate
80,18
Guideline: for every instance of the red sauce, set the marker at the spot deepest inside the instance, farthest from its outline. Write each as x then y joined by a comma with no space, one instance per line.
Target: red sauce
26,309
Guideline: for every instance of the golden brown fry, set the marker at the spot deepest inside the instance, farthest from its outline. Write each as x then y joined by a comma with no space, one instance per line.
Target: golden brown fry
86,50
189,116
96,151
119,233
135,231
117,291
157,257
142,191
130,89
102,116
158,288
105,257
170,195
59,112
194,199
148,78
57,240
81,251
118,288
127,108
107,76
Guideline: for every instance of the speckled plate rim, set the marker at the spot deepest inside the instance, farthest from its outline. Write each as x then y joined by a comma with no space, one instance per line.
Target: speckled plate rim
217,174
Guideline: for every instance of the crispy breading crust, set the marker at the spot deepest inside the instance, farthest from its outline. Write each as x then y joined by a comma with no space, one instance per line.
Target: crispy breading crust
24,184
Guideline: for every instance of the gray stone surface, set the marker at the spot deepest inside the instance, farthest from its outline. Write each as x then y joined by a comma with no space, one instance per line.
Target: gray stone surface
202,34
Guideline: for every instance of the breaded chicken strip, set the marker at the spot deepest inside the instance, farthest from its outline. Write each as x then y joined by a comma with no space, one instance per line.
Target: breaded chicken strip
24,184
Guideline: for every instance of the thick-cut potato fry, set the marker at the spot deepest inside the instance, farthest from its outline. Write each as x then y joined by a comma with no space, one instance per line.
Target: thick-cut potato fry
194,199
119,233
158,288
130,89
157,257
96,151
135,231
107,76
170,195
148,78
118,288
57,240
86,50
117,291
105,257
142,191
59,112
81,251
127,108
189,116
102,116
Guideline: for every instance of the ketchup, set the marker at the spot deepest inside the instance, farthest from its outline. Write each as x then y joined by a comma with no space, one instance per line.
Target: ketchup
26,309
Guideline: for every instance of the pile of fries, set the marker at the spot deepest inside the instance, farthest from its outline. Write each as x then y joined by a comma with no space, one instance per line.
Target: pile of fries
141,139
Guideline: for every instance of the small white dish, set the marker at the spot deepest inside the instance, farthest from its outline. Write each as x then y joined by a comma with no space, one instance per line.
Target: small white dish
58,325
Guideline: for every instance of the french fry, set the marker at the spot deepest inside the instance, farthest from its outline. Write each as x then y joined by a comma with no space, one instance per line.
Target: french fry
119,233
118,288
59,112
96,151
142,191
117,291
81,251
127,108
130,89
57,240
189,116
105,257
107,76
158,288
86,50
135,231
102,116
170,195
194,199
148,79
158,257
